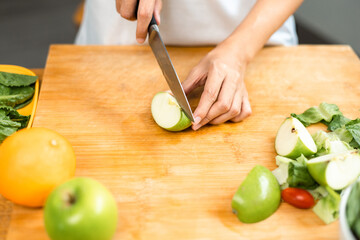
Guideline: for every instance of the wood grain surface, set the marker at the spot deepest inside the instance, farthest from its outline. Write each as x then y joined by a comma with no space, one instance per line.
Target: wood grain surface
180,185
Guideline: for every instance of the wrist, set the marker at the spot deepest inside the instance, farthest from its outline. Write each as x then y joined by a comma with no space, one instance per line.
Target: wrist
239,50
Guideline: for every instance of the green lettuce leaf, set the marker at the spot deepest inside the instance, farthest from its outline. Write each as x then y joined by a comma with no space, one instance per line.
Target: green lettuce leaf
12,96
353,127
338,121
16,80
299,176
330,142
11,121
281,173
325,112
327,208
343,134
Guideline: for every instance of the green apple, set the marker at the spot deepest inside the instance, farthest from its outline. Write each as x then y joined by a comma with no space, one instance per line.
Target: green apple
258,196
293,139
80,208
337,170
167,113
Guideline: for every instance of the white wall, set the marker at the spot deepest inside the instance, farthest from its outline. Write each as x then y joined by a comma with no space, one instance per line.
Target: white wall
336,20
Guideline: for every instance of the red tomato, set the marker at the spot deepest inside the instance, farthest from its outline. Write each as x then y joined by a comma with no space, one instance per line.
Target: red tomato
297,197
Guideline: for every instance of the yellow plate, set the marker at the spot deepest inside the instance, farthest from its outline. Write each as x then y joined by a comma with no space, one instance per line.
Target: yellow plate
31,107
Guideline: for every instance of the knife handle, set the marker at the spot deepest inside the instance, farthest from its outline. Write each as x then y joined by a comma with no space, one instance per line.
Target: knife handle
152,22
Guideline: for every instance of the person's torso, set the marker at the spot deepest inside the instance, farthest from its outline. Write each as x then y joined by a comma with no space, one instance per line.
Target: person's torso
183,22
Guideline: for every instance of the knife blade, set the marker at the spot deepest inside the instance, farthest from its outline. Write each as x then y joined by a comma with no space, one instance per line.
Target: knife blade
161,54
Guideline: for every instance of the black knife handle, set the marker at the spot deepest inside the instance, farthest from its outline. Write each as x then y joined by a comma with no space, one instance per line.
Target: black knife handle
152,22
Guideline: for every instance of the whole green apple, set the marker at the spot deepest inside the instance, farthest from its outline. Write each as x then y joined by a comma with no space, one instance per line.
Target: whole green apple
257,197
80,208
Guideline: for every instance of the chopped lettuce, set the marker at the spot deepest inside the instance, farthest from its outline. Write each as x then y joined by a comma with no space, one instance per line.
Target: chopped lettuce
318,192
315,114
347,130
338,121
354,128
291,173
327,208
353,209
330,142
299,176
281,173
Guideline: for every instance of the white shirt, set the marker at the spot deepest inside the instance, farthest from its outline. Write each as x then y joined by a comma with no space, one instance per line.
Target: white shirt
183,22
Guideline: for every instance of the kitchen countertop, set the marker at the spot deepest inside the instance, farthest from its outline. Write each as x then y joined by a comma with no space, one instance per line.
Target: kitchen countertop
179,185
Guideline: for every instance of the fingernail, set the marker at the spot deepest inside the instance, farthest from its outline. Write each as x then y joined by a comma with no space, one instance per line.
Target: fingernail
140,40
196,127
197,120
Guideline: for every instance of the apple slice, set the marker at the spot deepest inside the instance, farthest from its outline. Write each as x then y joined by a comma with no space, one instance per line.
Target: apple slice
167,113
335,170
293,139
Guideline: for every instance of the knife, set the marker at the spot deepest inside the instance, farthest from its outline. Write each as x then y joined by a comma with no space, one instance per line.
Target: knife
161,54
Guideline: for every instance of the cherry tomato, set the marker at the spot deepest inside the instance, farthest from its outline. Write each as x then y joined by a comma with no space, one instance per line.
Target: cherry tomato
297,197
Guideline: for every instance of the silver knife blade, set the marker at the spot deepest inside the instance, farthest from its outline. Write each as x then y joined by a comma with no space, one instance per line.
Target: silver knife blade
161,54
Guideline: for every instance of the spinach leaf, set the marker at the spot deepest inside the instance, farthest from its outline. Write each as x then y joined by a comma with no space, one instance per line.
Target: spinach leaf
16,80
13,96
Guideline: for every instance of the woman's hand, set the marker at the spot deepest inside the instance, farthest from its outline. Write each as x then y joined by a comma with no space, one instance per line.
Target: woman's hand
146,9
225,96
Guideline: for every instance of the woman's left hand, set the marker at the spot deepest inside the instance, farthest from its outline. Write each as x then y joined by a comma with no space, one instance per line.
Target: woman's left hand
225,96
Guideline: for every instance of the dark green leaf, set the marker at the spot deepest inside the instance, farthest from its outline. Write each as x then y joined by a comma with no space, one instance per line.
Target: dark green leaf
338,121
12,96
10,121
300,177
16,80
354,128
24,104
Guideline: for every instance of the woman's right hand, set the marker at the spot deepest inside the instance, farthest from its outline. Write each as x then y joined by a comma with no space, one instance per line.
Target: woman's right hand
146,9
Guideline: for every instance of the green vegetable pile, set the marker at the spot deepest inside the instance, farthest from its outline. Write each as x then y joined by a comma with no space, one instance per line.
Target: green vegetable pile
329,114
353,210
338,144
16,91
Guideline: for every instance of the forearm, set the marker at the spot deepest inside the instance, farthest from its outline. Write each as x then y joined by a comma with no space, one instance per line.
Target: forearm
262,21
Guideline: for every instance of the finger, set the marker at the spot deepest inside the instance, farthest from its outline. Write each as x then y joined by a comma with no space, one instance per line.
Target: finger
234,111
245,110
224,101
157,10
193,80
128,9
118,5
144,15
209,96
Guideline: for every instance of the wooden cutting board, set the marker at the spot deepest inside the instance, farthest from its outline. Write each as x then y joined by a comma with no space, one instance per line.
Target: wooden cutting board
180,185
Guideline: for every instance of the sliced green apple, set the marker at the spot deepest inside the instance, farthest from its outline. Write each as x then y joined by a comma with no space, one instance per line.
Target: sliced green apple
335,170
167,113
293,139
258,196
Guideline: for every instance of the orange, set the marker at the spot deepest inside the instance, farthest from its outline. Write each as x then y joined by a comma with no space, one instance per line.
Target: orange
32,162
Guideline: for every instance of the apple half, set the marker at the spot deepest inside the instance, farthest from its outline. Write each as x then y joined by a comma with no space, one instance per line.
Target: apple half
167,113
293,139
335,170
